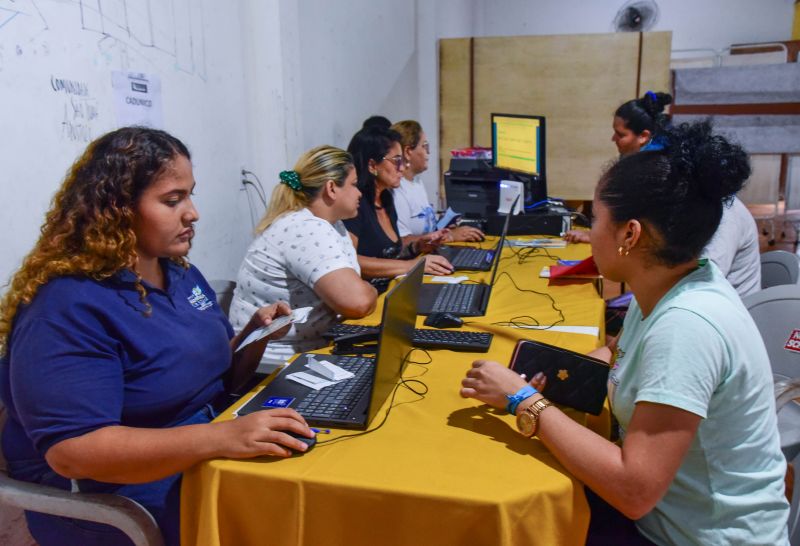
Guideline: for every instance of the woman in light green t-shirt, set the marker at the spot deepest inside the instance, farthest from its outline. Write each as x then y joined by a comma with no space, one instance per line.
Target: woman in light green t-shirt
700,460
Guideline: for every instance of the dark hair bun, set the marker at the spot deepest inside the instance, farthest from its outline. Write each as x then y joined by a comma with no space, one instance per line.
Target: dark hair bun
712,166
654,103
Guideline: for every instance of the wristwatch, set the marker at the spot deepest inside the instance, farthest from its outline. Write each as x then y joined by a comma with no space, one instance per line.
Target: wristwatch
528,419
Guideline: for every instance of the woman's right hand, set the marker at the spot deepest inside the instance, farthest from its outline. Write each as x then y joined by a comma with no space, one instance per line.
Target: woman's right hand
437,265
577,236
260,433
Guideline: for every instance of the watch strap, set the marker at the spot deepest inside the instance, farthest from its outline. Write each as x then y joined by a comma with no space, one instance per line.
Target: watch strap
535,410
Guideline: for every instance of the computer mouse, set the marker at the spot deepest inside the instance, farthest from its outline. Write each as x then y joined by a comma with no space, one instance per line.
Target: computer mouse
444,320
310,442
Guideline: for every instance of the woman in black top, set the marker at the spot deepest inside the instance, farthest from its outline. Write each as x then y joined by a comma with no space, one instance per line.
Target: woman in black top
379,165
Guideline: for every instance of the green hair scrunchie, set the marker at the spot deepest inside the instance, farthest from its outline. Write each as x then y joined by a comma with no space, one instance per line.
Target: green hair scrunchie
291,179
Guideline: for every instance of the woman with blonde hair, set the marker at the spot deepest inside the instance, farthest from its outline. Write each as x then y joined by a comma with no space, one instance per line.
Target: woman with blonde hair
303,255
115,355
416,216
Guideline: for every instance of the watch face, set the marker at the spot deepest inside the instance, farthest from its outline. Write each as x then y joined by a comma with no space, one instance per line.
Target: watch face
525,424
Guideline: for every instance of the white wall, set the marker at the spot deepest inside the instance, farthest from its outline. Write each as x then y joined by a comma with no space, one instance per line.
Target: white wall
356,59
694,23
436,20
350,60
269,44
195,48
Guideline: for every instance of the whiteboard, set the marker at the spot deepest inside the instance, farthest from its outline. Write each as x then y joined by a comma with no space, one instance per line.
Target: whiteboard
56,61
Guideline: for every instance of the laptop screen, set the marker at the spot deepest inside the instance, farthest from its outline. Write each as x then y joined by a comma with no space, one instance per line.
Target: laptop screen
397,325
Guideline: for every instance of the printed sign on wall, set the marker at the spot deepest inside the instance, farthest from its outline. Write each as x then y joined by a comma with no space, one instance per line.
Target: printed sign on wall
137,99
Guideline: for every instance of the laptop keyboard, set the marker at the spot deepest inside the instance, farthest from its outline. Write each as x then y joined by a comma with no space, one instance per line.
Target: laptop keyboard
337,401
472,258
339,330
455,298
453,340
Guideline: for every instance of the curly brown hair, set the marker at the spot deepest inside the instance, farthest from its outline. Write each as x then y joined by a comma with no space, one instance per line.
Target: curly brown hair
88,230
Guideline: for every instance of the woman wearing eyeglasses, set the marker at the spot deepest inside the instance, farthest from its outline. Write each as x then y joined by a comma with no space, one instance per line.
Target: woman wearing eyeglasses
382,255
415,214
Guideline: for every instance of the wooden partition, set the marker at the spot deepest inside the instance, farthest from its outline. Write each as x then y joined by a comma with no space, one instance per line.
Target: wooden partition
575,81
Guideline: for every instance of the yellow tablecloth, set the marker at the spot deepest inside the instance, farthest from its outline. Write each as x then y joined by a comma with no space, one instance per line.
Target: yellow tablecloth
441,470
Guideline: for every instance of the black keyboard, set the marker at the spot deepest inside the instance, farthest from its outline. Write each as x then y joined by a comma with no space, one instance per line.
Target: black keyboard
453,340
455,298
472,258
338,400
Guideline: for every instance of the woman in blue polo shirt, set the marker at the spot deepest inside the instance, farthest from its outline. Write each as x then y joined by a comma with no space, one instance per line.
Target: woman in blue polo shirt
114,351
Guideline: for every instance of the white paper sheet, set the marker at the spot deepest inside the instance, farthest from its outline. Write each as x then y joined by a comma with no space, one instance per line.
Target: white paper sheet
137,99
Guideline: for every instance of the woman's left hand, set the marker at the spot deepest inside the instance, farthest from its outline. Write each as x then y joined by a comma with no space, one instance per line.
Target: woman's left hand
265,316
490,382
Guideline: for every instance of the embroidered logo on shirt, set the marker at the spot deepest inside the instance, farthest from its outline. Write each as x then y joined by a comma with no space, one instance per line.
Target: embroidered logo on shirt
793,343
199,300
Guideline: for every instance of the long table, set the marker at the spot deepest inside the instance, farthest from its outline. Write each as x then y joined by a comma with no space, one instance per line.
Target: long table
441,470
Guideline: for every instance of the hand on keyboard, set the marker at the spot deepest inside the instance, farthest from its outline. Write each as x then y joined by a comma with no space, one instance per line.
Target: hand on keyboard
437,265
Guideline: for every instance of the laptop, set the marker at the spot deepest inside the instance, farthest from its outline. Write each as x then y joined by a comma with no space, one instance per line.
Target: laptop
464,300
466,258
352,403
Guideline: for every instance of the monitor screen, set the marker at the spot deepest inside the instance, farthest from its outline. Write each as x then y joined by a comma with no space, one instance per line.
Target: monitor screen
518,143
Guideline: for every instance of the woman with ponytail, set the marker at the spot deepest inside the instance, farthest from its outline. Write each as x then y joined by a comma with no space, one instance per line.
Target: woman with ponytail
303,254
699,461
114,356
640,125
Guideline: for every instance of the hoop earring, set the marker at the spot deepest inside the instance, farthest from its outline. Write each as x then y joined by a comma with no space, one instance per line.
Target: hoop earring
620,251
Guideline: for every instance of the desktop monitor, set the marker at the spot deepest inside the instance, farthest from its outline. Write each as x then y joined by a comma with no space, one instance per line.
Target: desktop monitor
518,144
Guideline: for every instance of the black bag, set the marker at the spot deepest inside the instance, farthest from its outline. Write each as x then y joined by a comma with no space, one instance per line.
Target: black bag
573,379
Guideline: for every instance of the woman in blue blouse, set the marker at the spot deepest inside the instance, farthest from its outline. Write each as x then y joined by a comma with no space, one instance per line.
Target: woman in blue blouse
114,351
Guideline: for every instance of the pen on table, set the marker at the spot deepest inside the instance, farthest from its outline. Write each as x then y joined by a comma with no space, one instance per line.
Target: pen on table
321,430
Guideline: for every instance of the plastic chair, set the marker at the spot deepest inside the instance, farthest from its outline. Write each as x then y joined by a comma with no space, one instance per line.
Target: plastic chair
224,291
120,512
776,312
779,267
786,392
